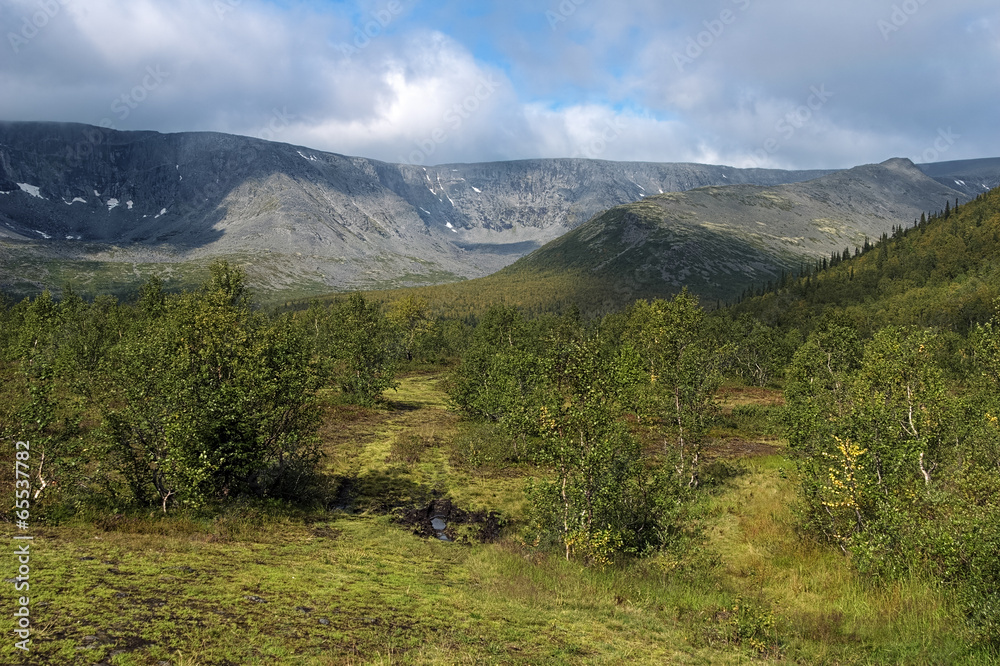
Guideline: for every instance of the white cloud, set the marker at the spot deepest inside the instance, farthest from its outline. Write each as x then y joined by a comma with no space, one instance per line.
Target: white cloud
438,83
433,103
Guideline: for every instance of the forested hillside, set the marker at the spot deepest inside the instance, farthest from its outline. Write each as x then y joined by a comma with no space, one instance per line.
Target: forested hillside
892,400
940,270
943,271
717,242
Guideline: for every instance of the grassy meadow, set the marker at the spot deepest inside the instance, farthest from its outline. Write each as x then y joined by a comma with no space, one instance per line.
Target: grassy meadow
353,584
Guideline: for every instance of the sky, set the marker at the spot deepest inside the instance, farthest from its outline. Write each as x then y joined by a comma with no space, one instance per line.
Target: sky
765,83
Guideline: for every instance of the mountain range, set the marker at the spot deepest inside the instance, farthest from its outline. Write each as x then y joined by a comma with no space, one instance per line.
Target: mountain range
99,208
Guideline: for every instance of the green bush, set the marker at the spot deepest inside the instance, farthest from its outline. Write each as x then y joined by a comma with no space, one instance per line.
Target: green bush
488,448
209,400
753,627
178,400
357,346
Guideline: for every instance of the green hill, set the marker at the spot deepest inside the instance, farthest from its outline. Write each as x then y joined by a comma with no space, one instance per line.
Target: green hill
717,240
944,273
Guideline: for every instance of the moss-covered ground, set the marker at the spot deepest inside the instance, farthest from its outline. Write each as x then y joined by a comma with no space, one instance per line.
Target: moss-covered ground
352,585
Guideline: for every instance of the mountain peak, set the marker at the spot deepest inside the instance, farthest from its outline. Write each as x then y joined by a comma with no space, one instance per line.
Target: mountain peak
900,163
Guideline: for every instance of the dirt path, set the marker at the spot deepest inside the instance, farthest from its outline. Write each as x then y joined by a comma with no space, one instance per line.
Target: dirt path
395,455
419,391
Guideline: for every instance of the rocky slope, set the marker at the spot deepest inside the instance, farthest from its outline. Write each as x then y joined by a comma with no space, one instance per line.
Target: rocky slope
98,207
300,217
718,240
972,177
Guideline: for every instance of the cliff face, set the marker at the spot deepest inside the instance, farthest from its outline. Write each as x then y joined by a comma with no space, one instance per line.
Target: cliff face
76,193
81,192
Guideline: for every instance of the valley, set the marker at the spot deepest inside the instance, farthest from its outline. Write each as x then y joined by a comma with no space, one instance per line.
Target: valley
573,459
99,209
573,333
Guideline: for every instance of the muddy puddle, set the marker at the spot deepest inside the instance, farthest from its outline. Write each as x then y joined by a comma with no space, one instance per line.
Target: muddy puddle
443,520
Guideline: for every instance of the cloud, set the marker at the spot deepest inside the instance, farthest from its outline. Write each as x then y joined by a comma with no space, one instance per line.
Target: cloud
433,103
405,80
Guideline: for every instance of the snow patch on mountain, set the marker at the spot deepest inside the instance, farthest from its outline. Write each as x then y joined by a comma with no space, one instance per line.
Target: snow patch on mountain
33,190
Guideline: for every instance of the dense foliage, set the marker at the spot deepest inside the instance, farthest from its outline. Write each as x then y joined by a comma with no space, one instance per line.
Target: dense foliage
184,399
889,358
942,272
891,418
578,401
205,398
892,404
901,468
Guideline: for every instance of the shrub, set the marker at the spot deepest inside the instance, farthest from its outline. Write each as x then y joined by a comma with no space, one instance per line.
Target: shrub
209,400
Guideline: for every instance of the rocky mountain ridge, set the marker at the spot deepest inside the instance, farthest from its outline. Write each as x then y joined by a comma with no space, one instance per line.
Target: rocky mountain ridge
91,205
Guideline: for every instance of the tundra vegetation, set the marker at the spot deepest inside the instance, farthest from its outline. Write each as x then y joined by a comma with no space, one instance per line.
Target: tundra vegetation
811,474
